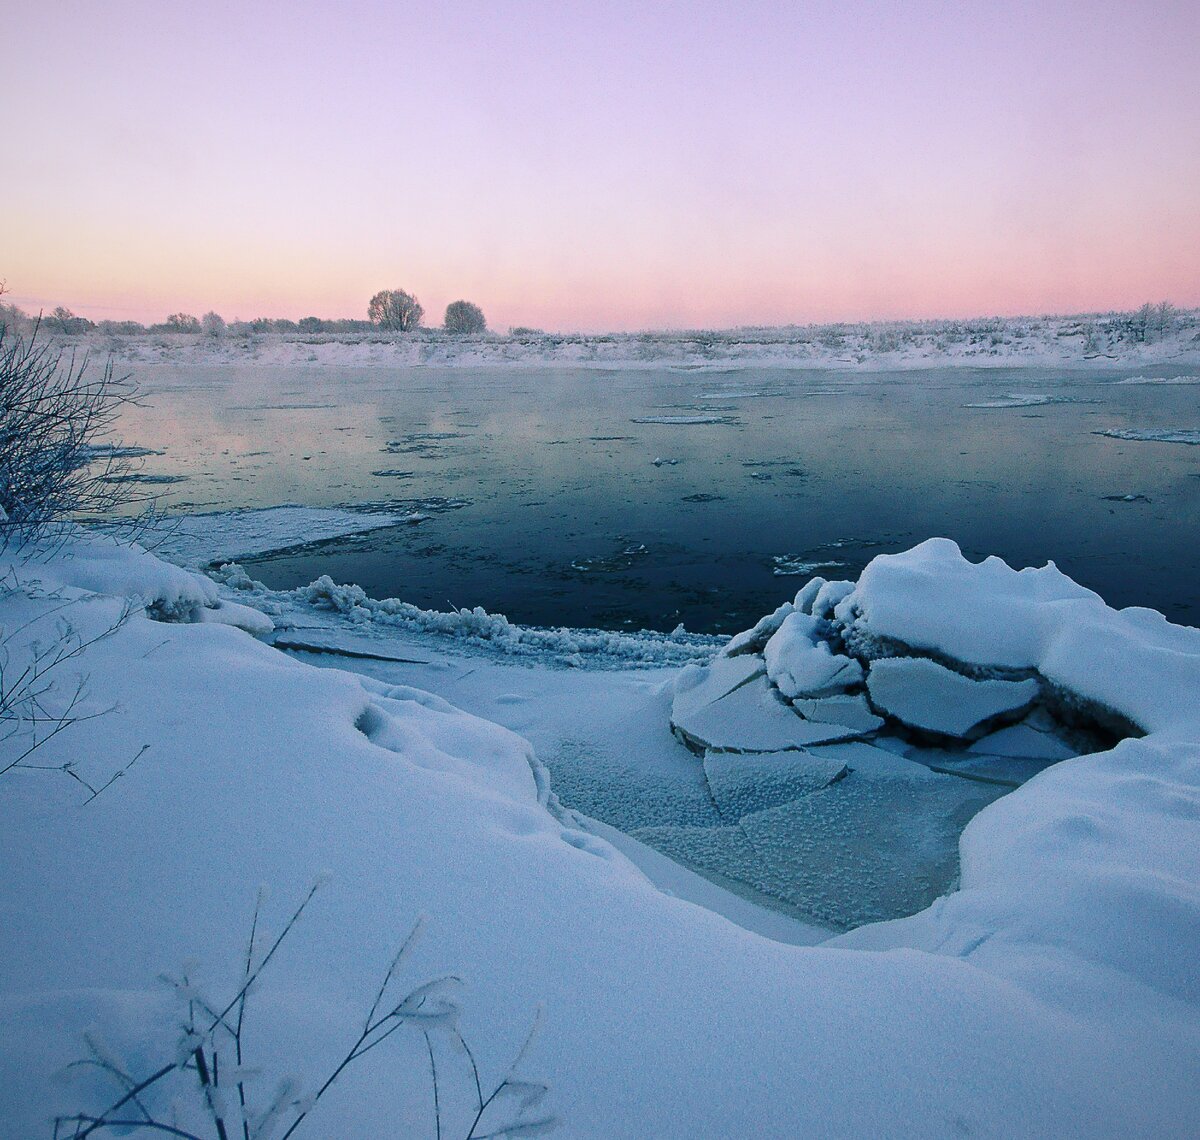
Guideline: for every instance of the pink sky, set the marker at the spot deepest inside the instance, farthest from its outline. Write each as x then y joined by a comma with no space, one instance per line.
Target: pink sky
601,166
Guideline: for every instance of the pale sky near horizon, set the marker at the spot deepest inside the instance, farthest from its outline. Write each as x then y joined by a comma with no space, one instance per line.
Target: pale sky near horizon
601,166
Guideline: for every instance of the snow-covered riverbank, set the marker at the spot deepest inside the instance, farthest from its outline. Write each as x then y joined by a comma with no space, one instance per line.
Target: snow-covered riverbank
1091,340
1054,993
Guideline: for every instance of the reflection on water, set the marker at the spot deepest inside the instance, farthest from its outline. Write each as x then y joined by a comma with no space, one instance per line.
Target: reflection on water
645,499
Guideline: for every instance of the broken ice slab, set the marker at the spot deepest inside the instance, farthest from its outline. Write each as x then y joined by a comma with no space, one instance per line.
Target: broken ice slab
743,783
851,710
1022,740
750,717
923,694
879,758
866,848
1005,771
700,685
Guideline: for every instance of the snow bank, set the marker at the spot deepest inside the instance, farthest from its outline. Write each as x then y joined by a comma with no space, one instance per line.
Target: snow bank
1084,341
76,562
1054,994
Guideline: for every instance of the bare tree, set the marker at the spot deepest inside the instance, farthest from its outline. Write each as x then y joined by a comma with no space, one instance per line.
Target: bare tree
465,317
395,309
183,322
212,324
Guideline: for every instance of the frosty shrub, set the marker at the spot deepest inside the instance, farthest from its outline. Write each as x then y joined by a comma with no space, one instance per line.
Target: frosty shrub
207,1090
54,415
182,322
212,324
396,310
62,320
465,317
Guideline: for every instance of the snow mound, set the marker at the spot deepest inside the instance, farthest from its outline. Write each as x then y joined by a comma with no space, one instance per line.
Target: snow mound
77,562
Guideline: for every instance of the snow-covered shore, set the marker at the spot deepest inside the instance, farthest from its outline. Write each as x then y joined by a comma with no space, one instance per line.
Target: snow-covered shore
1054,993
1088,341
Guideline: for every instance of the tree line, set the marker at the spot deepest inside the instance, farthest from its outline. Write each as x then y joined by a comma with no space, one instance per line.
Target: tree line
392,310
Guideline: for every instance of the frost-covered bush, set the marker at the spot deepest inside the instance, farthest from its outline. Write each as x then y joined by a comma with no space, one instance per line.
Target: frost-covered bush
394,309
182,322
14,320
122,328
54,415
212,324
464,317
62,320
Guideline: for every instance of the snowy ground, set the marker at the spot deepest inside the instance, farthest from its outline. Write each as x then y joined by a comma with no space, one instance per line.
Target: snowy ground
1054,993
990,342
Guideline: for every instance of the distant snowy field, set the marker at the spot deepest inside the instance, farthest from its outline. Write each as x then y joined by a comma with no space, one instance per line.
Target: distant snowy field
997,342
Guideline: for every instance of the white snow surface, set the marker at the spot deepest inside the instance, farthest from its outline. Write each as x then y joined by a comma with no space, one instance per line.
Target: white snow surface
1055,993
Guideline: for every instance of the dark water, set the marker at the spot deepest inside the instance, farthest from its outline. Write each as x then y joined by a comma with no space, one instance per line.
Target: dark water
544,503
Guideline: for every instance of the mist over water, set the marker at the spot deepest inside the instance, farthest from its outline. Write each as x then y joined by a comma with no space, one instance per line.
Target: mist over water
643,499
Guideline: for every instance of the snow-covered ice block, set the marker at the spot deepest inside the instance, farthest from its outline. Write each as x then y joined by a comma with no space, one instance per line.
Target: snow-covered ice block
752,640
231,613
850,709
1023,741
743,783
801,665
829,597
986,613
750,718
923,694
807,593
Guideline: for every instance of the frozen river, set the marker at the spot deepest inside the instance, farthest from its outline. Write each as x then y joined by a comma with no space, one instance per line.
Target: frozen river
642,498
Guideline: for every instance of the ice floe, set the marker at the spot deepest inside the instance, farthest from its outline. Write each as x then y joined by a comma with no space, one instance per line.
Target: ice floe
1155,435
1028,400
1168,380
226,536
684,420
